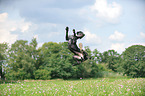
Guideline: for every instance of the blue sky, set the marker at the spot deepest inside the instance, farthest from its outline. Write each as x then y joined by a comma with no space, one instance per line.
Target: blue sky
108,24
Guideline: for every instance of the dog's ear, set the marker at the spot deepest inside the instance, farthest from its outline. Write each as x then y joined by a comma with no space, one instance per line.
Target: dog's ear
80,34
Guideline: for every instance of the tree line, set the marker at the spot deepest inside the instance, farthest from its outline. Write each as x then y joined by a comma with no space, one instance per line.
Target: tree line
23,60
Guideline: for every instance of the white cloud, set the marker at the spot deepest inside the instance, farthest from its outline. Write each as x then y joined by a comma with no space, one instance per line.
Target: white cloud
5,29
142,34
40,44
7,26
3,17
25,26
119,47
6,36
91,38
118,36
13,29
35,36
107,11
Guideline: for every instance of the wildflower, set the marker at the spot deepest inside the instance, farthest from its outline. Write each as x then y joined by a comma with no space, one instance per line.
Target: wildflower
91,86
121,86
112,93
71,87
120,92
39,91
133,93
128,89
66,91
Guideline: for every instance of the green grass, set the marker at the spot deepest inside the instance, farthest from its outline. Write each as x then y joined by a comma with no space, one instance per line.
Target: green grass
89,87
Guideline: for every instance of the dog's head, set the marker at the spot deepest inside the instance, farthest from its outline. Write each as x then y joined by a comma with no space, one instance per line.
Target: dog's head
80,34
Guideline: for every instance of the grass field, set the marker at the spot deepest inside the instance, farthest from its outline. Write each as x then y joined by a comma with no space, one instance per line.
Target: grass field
88,87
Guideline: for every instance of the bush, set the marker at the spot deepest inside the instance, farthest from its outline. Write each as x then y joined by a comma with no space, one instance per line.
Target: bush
19,75
97,70
109,74
42,74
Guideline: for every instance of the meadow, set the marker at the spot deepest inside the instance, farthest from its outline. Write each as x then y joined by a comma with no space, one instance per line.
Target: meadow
82,87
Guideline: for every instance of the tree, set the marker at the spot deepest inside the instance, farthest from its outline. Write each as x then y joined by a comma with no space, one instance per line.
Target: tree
90,67
134,61
42,74
3,57
21,60
56,59
110,58
88,50
84,69
97,56
118,65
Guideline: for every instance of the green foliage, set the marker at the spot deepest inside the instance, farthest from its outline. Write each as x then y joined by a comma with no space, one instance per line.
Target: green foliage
3,56
84,70
3,48
42,74
19,75
98,69
21,60
111,58
134,61
54,60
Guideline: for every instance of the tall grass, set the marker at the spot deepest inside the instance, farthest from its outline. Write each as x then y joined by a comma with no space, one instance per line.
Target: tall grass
91,87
